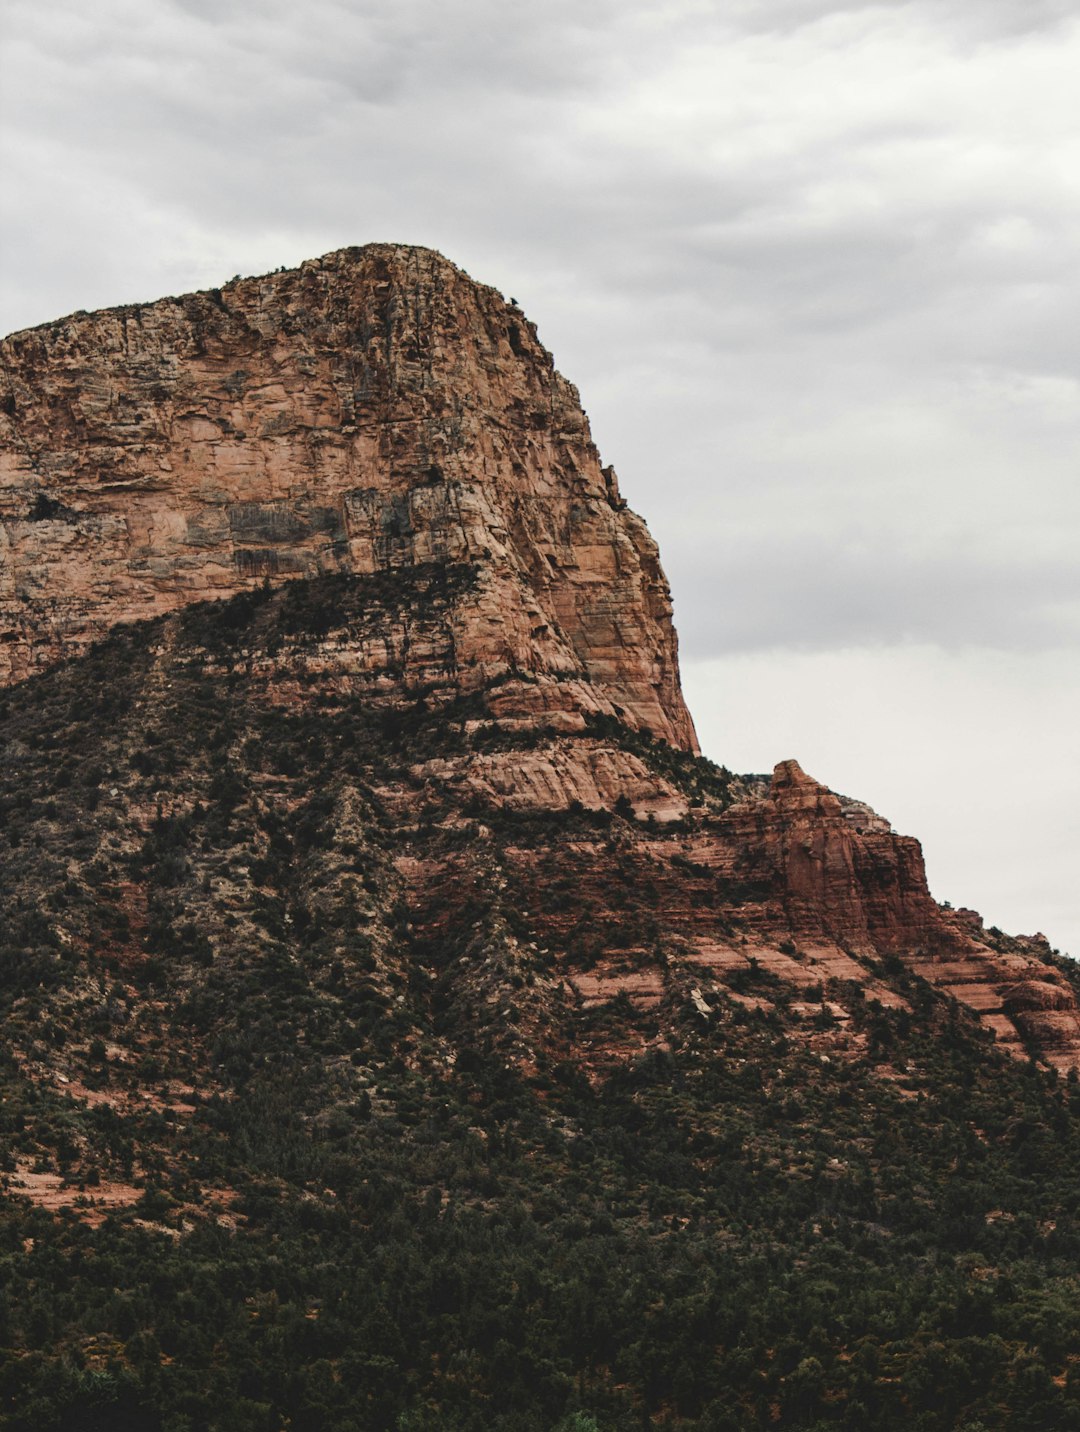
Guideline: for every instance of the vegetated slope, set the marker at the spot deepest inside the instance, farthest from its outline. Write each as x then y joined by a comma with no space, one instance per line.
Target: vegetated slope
403,1027
366,1066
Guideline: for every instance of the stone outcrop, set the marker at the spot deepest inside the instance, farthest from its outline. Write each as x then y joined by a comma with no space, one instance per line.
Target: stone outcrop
373,409
845,880
777,897
382,426
859,886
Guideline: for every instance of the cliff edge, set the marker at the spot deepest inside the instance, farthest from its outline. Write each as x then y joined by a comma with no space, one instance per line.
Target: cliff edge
361,489
371,410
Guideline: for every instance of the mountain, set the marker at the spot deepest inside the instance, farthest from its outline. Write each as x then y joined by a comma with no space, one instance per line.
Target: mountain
404,1024
377,412
371,411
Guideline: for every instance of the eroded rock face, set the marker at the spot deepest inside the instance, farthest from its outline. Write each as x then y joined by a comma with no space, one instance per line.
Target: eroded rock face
784,902
377,413
860,886
373,409
845,880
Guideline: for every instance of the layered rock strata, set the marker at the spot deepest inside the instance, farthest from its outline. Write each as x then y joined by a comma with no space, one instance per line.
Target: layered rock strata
371,410
849,881
379,416
776,898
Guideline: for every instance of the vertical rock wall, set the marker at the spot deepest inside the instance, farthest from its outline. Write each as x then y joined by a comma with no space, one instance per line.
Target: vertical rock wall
371,409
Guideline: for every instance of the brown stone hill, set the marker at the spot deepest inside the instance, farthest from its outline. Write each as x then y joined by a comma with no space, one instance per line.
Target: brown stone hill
847,880
782,902
390,432
372,409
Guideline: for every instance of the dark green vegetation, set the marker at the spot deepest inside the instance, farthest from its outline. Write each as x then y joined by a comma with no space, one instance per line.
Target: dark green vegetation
372,1186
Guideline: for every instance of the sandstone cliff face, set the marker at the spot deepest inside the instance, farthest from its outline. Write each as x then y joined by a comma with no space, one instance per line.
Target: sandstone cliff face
380,425
846,881
373,409
778,902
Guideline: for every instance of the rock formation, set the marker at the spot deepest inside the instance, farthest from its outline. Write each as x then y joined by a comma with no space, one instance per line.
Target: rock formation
377,417
370,410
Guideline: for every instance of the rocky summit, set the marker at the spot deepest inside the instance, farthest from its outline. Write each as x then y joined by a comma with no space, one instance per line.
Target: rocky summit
404,1025
371,411
376,412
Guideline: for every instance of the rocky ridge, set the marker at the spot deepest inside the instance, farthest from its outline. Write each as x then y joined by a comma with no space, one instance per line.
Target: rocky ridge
391,440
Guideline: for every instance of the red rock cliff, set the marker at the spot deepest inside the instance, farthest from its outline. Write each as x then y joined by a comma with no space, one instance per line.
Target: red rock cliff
377,409
371,409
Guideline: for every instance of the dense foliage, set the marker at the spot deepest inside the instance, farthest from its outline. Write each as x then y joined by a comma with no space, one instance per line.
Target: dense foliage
363,1199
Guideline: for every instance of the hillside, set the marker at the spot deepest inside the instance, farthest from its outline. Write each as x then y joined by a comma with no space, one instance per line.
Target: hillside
404,1026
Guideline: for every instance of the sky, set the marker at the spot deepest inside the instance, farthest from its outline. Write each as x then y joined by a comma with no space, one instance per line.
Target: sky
812,265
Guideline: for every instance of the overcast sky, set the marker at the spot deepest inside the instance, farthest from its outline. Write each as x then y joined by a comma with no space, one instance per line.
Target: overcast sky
815,268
